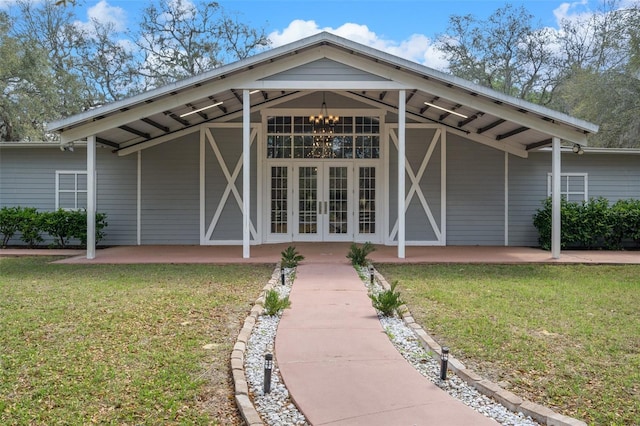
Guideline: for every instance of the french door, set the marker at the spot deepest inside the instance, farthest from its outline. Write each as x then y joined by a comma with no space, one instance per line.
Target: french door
323,201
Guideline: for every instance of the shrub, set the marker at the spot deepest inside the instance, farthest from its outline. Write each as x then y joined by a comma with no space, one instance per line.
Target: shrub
358,255
30,226
273,304
9,223
387,301
591,224
291,258
61,225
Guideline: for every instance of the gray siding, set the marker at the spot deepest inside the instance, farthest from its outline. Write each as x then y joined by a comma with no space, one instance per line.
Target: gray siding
27,178
170,192
612,176
475,193
325,69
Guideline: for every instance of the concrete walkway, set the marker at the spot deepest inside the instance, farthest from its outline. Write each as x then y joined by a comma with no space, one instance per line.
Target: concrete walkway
341,368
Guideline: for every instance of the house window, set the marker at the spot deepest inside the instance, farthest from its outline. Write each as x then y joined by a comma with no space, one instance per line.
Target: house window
351,137
71,190
573,186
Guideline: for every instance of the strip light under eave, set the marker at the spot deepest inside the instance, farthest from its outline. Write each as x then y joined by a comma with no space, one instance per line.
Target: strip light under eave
200,109
446,110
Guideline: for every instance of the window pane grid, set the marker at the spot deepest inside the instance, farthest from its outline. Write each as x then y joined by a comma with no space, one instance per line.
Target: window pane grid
352,137
308,200
71,191
367,200
338,200
279,201
573,187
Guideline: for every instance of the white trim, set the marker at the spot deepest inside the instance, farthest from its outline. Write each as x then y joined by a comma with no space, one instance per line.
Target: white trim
506,199
206,231
439,136
566,191
75,191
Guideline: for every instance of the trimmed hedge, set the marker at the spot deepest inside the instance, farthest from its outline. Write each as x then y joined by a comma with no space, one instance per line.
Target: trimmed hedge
591,224
61,225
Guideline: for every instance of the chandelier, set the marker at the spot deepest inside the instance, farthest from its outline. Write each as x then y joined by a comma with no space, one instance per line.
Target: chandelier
323,123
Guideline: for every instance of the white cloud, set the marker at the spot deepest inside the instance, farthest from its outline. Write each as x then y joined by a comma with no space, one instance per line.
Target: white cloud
107,14
418,48
571,11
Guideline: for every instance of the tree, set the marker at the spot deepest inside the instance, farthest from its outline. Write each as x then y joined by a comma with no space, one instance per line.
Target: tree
600,79
180,39
26,84
504,52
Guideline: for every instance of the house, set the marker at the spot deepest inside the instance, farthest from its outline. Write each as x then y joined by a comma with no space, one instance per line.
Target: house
240,156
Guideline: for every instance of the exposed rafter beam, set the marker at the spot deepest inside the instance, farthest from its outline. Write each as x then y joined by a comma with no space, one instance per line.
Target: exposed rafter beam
200,113
410,95
155,124
491,126
382,95
470,119
539,144
426,107
107,142
135,131
220,107
177,118
512,133
446,114
238,97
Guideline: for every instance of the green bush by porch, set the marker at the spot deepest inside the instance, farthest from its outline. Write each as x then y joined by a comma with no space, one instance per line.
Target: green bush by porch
61,225
592,224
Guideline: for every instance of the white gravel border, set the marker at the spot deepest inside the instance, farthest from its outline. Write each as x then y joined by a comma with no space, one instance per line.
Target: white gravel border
257,338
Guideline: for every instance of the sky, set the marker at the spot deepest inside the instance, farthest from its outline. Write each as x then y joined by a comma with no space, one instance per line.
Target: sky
406,28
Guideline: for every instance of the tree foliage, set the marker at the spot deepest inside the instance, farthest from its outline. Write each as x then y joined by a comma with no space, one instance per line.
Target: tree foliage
589,67
53,65
504,52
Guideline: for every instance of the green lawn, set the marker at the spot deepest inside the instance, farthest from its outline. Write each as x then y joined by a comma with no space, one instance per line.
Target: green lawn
120,344
567,337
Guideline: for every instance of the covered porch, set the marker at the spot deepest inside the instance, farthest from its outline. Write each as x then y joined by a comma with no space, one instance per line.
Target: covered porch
334,252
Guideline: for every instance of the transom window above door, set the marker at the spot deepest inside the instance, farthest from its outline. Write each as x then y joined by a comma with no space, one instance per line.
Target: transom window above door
295,137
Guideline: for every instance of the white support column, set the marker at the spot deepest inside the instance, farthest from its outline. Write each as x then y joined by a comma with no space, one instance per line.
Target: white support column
401,171
506,199
139,202
246,173
91,197
555,199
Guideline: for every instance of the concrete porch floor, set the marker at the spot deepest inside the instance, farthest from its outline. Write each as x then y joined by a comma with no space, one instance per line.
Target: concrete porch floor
315,252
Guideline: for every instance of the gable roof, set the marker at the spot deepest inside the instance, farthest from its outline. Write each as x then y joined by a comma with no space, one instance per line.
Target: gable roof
325,62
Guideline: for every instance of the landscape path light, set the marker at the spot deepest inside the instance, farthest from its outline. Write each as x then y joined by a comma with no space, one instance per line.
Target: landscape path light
268,367
444,361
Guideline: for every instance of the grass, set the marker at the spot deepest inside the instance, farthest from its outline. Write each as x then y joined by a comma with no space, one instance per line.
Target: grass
567,337
120,344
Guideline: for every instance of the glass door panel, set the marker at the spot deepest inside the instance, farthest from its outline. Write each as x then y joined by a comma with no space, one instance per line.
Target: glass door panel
338,200
308,203
366,200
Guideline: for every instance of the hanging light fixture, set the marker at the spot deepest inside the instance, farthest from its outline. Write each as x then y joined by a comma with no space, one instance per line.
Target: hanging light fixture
323,126
324,122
